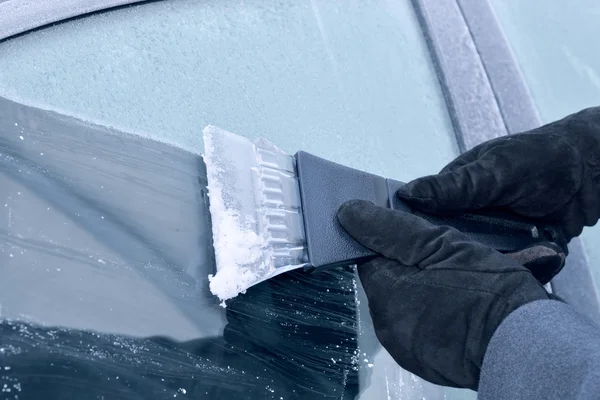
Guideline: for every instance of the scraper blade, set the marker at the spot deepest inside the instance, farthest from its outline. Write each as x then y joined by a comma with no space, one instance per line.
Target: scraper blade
256,212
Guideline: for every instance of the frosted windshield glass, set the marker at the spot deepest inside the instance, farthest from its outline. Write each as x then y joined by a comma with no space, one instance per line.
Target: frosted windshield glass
554,46
351,82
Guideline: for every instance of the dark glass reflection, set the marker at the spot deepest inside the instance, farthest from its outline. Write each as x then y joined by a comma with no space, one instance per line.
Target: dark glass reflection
104,261
283,339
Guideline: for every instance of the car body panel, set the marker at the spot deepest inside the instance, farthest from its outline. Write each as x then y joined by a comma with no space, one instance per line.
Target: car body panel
485,44
552,52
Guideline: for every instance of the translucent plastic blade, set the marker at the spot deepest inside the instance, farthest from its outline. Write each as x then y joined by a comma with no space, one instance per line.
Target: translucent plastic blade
256,212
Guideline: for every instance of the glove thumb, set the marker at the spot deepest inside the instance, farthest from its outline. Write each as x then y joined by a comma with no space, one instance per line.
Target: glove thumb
544,260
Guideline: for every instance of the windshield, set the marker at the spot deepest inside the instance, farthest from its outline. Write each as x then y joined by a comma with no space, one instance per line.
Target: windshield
560,66
107,235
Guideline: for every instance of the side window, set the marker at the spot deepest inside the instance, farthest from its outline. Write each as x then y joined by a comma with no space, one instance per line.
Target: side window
353,83
559,66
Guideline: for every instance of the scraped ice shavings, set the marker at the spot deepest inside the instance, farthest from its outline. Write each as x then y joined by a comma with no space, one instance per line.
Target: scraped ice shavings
239,249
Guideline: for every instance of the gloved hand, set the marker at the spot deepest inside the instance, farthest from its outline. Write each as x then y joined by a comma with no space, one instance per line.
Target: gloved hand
551,173
435,297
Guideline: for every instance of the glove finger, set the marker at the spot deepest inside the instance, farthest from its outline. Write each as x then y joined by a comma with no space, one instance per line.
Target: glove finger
464,159
532,175
572,218
467,187
475,153
455,187
398,235
544,260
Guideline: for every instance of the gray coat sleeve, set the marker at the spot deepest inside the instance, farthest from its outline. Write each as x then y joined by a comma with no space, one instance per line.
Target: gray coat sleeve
543,350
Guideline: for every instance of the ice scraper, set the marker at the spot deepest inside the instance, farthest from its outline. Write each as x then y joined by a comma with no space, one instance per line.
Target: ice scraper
273,212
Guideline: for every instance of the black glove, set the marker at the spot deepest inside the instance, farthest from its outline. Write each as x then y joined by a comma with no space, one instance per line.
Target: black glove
551,173
435,297
545,260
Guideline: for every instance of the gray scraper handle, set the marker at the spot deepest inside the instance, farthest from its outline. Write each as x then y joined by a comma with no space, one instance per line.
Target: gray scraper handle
325,186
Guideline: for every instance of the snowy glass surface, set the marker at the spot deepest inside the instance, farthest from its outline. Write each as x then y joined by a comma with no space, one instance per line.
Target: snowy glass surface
349,81
352,82
555,46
